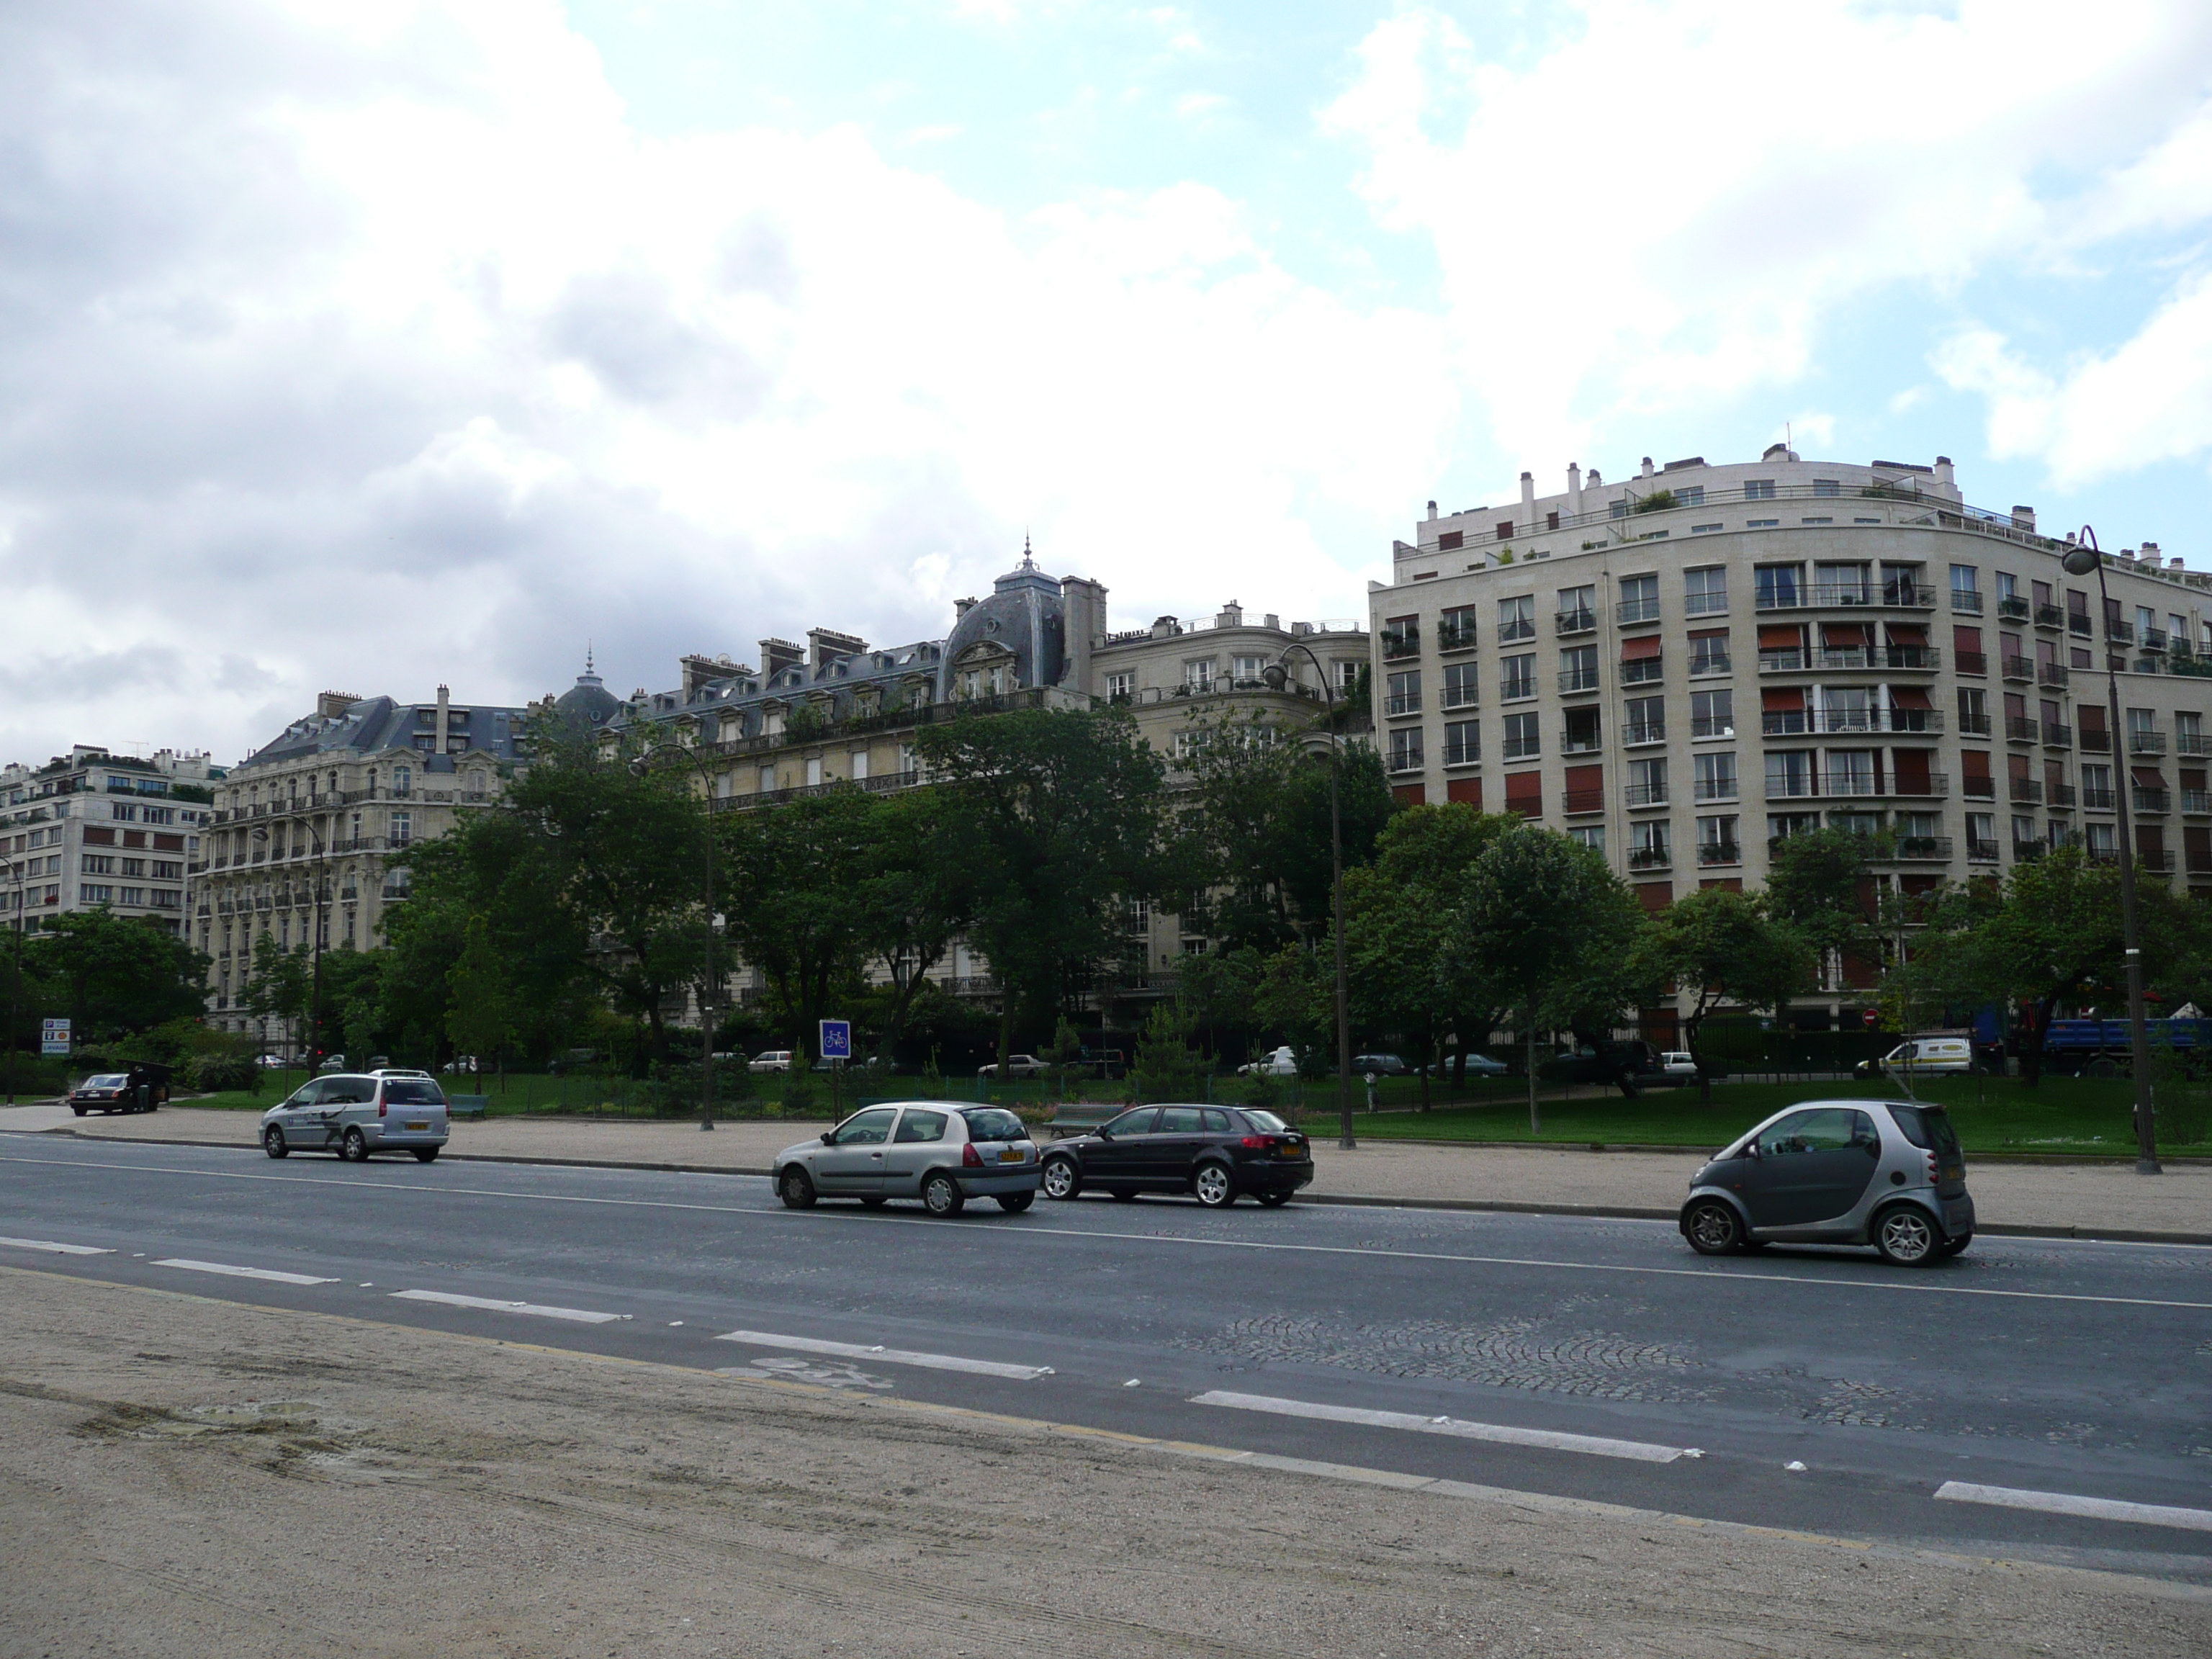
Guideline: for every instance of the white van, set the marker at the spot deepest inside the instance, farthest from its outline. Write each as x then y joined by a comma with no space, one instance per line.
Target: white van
1935,1054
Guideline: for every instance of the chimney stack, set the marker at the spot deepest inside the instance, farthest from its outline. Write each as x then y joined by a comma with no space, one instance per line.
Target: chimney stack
1432,511
1574,488
1529,500
445,713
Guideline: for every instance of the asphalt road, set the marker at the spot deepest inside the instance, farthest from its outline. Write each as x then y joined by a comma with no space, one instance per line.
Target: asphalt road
1590,1359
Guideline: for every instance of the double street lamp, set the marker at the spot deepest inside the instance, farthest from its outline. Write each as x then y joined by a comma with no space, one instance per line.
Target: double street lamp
2083,559
707,988
322,899
1277,677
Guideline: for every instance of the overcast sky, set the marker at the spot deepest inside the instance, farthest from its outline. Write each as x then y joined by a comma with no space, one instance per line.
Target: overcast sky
368,347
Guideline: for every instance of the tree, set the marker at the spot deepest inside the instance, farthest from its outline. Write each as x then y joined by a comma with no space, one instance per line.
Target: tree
2047,933
113,974
481,1019
797,895
280,986
1724,947
1547,930
1165,1066
1819,885
1398,914
1058,820
914,902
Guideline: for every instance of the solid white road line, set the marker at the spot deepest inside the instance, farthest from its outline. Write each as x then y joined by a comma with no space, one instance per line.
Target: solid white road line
1030,1230
578,1316
1594,1445
229,1272
2060,1502
935,1362
50,1248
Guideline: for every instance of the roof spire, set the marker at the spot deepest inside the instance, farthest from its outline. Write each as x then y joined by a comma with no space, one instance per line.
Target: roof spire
1028,562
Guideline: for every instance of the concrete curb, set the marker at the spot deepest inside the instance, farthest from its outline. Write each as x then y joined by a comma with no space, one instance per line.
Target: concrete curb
1499,1207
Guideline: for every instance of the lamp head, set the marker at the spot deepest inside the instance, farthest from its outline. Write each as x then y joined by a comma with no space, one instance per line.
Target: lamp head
2080,561
1276,676
261,833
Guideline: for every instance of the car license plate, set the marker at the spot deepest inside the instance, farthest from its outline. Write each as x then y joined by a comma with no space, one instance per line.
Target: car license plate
424,1124
1010,1155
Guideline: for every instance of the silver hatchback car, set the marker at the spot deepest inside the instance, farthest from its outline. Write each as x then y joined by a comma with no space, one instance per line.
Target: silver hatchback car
1885,1173
354,1115
941,1153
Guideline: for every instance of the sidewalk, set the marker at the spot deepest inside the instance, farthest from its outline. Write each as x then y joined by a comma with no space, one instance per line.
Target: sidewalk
2107,1200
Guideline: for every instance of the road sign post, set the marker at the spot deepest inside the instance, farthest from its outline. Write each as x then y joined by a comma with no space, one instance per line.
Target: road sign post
54,1038
836,1046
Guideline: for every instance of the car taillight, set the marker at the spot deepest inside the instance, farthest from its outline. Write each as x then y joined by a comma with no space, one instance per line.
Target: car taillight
1932,1168
969,1158
379,1103
1260,1143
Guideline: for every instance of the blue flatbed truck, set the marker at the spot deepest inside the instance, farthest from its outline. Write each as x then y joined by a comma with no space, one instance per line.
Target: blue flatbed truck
2104,1048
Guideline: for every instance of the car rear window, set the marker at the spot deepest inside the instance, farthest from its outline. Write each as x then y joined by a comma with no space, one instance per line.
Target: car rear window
1266,1122
412,1091
993,1124
106,1080
1928,1127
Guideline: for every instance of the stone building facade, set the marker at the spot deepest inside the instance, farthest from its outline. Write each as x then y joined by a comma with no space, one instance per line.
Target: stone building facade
94,830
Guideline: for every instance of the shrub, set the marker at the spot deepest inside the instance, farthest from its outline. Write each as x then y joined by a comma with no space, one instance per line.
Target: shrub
215,1074
799,1092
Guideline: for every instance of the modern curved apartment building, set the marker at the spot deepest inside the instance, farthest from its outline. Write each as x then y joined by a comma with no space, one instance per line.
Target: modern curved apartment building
1681,665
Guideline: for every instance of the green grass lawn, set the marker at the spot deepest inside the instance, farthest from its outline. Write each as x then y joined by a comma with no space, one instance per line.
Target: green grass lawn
2073,1116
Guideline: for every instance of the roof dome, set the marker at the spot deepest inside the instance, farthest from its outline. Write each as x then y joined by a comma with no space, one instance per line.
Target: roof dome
586,705
1024,618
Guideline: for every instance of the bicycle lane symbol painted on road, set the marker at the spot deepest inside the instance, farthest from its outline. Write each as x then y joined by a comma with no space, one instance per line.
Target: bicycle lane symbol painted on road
824,1373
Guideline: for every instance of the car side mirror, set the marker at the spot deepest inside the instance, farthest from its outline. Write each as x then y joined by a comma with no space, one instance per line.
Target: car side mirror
828,1137
1752,1151
1105,1134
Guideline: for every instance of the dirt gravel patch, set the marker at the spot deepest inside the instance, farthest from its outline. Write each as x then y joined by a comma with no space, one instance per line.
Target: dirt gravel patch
186,1476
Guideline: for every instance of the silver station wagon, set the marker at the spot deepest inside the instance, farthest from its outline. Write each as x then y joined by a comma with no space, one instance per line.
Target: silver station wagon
353,1115
941,1153
1885,1173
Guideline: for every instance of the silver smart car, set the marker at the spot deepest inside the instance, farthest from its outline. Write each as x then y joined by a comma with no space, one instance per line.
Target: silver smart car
354,1115
1885,1173
938,1151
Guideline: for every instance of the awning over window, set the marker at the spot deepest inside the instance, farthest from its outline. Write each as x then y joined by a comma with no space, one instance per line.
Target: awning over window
1780,699
1641,647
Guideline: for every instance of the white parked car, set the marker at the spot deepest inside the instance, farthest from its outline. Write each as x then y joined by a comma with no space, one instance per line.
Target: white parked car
940,1153
1678,1065
1017,1066
774,1060
1276,1062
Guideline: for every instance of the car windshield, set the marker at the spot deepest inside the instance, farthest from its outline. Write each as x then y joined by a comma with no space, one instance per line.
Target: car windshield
1266,1122
1928,1127
412,1091
106,1080
992,1123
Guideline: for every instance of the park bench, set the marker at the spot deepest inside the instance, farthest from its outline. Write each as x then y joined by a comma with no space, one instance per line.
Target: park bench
1071,1119
467,1105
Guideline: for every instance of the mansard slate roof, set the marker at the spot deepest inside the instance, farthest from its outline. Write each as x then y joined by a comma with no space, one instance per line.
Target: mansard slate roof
1024,615
375,726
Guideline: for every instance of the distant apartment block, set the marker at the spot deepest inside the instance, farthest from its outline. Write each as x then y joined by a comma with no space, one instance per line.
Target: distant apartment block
94,830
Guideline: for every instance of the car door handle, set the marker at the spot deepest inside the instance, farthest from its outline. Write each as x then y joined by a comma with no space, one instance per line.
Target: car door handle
876,1155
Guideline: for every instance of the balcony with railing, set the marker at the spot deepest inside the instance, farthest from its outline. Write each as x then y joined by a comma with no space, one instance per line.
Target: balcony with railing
1651,858
2023,792
1923,849
1576,622
1585,800
2119,632
2019,670
2012,608
2196,803
1966,601
1710,852
1981,852
1972,662
2094,739
1398,642
2146,740
2192,743
1705,605
1573,681
1706,664
2159,863
1850,596
2060,795
1403,703
1574,742
1516,628
2077,621
1848,659
1459,752
1641,671
2156,802
2057,735
1854,722
2025,851
2094,799
1630,613
1923,786
1713,726
2050,616
2019,728
2155,639
1645,794
1643,732
1461,697
2052,674
1456,636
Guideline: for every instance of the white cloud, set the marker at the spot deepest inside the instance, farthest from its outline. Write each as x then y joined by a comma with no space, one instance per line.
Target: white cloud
377,349
2149,400
1659,207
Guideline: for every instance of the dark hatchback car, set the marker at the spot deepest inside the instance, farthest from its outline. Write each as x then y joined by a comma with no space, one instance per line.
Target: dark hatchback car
1216,1154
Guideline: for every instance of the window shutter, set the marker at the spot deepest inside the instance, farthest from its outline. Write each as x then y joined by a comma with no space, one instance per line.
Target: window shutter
1524,793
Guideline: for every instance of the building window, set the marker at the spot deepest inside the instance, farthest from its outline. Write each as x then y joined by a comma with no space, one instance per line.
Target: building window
1591,836
1578,668
1405,749
1778,587
1649,844
1758,489
1455,628
1516,677
1647,782
1463,742
1122,685
1827,487
1716,775
123,810
1462,689
813,770
95,893
1516,619
1577,612
1690,496
856,766
1639,600
1582,735
1346,670
402,826
1198,676
1404,695
1245,671
1850,772
1712,714
1705,592
94,864
1709,651
1718,841
1644,721
1788,774
1522,740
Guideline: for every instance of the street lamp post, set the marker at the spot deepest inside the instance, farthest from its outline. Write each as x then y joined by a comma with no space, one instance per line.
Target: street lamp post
15,984
322,897
707,989
1278,675
2083,559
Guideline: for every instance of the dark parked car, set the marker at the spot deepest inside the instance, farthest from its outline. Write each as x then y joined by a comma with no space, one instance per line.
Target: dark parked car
1215,1153
144,1087
1378,1065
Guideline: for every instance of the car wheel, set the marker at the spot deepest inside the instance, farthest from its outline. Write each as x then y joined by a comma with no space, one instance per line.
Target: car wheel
1713,1228
796,1188
354,1149
426,1154
1906,1238
272,1142
1952,1246
941,1195
1061,1179
1274,1201
79,1110
1215,1187
1015,1203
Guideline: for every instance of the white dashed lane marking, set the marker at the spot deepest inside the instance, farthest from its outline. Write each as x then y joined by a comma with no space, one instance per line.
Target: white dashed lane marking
229,1272
935,1362
492,1305
2060,1502
1594,1445
50,1248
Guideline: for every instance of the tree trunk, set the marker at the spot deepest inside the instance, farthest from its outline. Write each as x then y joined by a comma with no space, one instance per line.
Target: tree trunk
1429,1064
1528,1047
2030,1052
1006,1031
1690,1030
